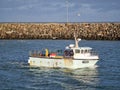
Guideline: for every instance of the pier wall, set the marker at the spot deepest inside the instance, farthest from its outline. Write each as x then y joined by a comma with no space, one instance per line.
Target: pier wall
89,31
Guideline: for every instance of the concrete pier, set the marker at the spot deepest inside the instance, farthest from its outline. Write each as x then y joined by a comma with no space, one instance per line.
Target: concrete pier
88,31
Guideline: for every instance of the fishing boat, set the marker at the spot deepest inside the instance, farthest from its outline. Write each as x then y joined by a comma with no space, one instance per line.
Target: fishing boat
72,57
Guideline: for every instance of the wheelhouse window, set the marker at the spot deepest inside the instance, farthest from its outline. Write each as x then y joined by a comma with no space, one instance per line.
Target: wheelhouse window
77,51
86,51
82,51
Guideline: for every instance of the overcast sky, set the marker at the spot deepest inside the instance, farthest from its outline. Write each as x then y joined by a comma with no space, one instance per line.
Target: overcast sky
55,10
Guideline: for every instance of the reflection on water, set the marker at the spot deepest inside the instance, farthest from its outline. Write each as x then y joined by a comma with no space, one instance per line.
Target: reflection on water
87,75
66,78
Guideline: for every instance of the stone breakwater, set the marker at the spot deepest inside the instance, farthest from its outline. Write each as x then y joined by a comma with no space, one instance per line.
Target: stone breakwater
88,31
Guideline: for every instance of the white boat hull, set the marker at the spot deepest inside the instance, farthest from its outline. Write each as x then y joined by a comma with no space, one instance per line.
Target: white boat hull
61,63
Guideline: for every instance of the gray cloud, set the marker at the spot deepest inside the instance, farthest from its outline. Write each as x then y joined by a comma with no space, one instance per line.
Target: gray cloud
55,10
103,5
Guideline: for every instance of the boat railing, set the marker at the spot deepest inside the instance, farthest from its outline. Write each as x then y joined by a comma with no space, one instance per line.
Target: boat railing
35,53
43,54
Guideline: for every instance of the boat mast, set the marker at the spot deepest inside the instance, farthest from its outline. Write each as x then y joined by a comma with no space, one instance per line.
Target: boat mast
76,40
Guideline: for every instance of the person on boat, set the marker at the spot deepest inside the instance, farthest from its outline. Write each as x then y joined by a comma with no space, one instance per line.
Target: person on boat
71,53
68,53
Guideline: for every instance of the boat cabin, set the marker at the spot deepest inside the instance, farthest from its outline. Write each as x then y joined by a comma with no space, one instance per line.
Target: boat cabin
79,52
82,50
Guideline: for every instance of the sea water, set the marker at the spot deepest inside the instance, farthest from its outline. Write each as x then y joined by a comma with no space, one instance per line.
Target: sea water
16,74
